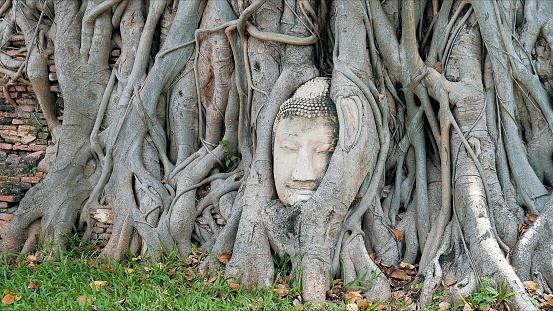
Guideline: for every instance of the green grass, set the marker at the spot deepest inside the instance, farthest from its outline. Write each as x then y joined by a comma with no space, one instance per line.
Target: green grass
65,284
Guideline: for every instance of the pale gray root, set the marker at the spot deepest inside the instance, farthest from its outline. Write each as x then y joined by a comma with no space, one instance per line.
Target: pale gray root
144,109
211,202
362,271
540,155
477,196
470,112
130,28
529,188
37,68
378,231
532,254
224,242
470,205
433,273
183,208
410,243
214,67
493,124
182,117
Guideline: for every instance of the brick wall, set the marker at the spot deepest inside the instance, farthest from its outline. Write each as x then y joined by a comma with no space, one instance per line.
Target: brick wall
24,138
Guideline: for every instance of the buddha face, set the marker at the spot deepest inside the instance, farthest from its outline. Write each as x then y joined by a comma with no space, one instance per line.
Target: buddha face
302,150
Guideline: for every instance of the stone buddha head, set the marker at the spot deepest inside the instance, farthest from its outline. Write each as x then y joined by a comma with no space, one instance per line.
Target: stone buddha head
305,133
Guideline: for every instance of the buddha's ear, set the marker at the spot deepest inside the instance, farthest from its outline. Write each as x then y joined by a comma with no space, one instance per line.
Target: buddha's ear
349,118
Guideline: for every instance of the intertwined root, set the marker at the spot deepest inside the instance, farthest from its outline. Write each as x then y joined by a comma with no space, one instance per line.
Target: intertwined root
443,156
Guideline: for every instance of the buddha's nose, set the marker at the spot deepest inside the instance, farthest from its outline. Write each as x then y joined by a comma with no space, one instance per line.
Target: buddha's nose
303,169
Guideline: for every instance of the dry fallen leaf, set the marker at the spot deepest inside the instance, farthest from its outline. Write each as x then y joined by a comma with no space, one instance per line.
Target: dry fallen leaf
467,307
225,257
210,281
438,67
400,275
449,280
8,299
363,304
32,285
281,290
352,307
548,303
398,234
530,218
129,270
84,299
406,266
234,285
352,296
531,287
98,284
189,273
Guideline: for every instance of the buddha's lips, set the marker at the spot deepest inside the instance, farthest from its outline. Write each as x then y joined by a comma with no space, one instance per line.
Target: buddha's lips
307,188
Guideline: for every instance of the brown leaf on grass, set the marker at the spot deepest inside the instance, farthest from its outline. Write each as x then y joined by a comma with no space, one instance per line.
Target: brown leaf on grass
443,306
210,281
467,307
224,257
189,273
281,290
330,294
32,285
8,299
352,307
98,284
84,299
234,285
352,296
363,304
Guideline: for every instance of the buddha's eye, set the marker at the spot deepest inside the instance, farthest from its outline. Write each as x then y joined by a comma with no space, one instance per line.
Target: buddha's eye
288,146
324,148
